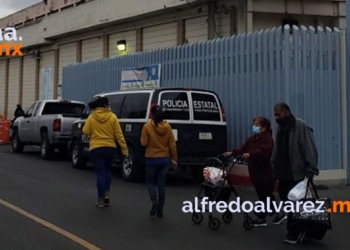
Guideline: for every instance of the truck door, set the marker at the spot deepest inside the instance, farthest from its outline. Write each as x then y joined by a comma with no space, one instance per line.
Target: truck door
26,123
33,131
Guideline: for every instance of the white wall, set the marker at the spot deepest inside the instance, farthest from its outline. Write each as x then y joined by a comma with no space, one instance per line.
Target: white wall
270,20
29,67
14,89
92,49
222,22
197,29
67,55
160,36
90,14
2,87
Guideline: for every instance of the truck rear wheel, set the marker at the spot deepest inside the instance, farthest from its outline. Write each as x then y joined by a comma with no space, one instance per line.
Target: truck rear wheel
77,159
17,145
46,150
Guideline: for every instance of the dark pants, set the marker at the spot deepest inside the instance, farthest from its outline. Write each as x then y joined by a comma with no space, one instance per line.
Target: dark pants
102,159
264,190
156,178
284,187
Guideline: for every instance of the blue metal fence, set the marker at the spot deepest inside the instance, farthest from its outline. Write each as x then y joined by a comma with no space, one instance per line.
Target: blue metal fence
250,72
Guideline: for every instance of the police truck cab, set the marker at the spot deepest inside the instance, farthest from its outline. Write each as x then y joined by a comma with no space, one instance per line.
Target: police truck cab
196,116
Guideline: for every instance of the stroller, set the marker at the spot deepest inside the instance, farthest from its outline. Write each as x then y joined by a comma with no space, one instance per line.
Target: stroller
220,191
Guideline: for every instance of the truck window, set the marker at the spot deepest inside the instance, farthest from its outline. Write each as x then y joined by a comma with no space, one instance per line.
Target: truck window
37,108
135,106
30,111
116,102
65,109
205,107
175,105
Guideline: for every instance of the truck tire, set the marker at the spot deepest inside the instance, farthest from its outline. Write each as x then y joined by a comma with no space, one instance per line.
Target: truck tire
17,145
77,159
46,150
136,170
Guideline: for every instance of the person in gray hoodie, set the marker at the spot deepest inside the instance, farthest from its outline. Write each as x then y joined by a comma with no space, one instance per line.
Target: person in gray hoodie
294,158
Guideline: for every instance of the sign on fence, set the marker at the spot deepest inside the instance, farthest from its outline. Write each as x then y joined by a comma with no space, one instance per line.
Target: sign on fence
140,78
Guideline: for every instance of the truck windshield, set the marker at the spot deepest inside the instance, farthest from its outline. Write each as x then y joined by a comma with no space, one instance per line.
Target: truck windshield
65,109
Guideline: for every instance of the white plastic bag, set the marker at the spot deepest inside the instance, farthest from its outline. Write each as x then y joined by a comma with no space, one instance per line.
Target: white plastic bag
213,175
299,191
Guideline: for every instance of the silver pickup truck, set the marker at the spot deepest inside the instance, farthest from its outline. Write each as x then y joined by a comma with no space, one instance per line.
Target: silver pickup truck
48,124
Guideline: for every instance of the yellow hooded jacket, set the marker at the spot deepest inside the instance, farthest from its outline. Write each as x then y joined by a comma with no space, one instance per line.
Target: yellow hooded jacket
103,128
159,140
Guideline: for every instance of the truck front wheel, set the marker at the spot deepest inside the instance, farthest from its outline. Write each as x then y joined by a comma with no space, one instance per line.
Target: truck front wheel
17,145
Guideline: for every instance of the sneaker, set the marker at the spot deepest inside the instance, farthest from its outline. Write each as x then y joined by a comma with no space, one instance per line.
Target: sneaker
153,209
160,213
260,223
100,204
106,201
278,219
292,239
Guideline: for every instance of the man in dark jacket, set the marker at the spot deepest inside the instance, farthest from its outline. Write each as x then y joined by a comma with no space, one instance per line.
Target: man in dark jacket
18,113
294,158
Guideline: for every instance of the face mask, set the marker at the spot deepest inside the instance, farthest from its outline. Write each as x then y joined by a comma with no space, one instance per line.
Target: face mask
282,121
256,130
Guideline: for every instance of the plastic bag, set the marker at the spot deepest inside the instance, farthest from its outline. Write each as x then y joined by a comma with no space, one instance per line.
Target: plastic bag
213,175
299,191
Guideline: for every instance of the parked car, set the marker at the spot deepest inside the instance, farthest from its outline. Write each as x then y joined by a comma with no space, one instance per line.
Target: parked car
47,123
197,118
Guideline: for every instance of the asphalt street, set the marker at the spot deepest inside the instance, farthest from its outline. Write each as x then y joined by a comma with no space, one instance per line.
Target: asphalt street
55,193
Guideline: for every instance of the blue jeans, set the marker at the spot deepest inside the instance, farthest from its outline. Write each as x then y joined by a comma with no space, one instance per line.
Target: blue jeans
102,159
156,178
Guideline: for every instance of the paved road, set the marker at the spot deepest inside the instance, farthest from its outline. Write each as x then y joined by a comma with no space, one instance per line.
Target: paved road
65,197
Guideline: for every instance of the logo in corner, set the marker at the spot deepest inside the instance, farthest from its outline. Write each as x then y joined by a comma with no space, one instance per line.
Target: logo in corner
10,44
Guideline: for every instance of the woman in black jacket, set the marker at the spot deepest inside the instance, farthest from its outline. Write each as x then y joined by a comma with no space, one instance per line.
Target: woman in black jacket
257,150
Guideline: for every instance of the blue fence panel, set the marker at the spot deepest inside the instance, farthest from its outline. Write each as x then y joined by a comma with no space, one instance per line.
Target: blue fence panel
250,72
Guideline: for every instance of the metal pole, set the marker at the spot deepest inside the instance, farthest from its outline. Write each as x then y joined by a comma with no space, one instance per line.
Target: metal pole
347,88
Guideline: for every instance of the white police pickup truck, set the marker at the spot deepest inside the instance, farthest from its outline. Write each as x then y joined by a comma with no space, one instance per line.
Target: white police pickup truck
48,124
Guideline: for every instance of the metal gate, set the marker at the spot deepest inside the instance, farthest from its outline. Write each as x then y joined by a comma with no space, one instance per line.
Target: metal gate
250,72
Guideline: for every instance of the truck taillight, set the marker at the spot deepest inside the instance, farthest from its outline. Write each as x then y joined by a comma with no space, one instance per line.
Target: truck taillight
152,104
223,114
56,127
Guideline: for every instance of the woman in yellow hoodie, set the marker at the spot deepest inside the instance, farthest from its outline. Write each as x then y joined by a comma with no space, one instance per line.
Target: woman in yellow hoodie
157,136
104,130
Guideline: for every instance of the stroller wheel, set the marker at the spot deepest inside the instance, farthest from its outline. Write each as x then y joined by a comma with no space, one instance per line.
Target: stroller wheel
214,224
248,223
197,218
227,217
